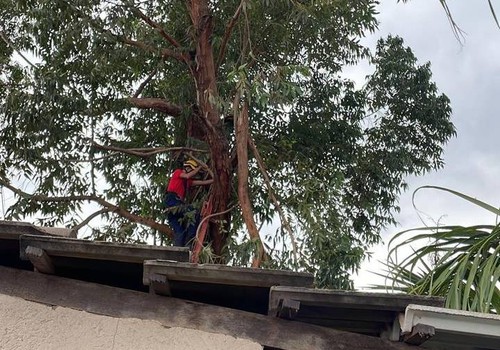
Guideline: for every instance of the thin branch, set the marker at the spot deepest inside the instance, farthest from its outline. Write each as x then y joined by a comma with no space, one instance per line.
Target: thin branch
164,229
267,180
198,240
145,152
227,33
142,45
89,218
184,57
156,26
457,32
145,82
158,104
7,41
13,189
125,40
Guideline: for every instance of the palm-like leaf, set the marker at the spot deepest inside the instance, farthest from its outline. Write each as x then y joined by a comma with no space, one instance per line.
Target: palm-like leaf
466,270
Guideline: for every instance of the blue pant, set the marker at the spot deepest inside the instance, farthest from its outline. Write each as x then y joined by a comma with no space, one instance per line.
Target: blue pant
183,219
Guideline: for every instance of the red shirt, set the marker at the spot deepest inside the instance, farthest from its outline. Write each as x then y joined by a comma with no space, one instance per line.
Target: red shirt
178,184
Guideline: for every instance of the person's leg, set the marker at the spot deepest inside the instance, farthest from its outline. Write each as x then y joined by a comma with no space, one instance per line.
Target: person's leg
174,220
192,228
175,216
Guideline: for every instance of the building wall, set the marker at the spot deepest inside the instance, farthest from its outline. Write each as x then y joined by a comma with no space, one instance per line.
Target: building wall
27,325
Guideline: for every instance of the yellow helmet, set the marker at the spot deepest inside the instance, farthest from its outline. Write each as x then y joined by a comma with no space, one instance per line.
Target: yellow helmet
191,164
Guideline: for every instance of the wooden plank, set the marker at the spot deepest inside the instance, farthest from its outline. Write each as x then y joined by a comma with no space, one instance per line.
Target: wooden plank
172,312
221,274
40,260
79,248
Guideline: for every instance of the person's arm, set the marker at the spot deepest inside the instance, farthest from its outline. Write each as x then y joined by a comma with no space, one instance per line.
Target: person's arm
202,182
208,181
189,175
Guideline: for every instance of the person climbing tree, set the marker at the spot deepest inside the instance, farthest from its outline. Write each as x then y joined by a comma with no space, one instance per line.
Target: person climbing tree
183,218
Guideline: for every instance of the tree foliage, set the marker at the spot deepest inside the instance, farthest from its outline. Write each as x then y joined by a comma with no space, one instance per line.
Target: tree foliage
112,87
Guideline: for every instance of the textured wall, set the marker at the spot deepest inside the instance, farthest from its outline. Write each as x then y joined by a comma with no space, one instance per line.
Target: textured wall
29,325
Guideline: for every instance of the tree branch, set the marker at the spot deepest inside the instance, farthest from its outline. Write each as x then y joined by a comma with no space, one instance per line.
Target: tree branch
241,135
142,45
145,82
89,218
145,152
273,198
156,26
227,34
9,43
158,104
164,229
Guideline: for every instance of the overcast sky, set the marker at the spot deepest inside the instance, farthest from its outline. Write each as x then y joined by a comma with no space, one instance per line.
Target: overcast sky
469,75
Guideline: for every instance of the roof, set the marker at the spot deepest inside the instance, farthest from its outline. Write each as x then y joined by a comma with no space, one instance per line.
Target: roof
277,308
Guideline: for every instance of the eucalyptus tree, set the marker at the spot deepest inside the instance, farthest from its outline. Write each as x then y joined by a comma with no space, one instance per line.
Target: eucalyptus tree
99,97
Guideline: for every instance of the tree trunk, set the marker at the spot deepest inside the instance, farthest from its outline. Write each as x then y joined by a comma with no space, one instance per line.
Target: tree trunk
206,90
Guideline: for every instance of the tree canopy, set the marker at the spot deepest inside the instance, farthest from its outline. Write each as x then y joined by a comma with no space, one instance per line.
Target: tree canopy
100,98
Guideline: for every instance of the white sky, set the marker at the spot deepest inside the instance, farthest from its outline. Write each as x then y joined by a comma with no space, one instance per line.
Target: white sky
470,76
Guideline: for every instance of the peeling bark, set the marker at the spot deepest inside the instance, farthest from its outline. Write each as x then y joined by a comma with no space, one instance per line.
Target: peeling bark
241,131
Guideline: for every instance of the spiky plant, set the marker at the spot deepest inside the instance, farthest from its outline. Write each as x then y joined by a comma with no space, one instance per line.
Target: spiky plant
466,266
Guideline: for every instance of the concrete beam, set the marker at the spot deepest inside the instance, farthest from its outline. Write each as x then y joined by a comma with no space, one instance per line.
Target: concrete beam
419,334
288,309
221,274
14,229
367,313
346,299
40,260
79,248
